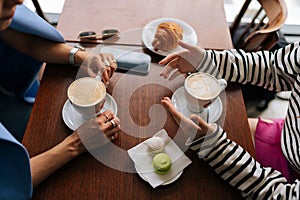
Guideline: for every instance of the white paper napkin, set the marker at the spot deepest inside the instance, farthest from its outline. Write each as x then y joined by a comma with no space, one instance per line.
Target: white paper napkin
143,160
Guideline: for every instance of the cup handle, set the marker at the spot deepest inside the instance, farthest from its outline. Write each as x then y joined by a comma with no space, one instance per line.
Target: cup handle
222,83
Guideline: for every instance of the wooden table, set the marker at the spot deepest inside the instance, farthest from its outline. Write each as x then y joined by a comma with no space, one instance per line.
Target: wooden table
136,96
129,17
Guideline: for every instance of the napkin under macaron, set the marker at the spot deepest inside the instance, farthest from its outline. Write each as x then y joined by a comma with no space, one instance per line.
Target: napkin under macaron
143,160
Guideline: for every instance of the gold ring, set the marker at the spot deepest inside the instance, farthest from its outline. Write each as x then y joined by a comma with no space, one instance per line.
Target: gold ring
106,63
113,124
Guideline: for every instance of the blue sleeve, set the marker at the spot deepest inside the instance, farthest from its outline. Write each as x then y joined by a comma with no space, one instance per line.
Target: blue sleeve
17,70
29,22
15,176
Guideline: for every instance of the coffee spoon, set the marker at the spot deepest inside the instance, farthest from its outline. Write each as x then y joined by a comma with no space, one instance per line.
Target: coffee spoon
207,116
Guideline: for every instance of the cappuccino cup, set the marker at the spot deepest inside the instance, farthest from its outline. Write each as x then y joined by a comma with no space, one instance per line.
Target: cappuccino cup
201,89
87,96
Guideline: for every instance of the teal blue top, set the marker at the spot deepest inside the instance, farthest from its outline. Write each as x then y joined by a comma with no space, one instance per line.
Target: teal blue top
27,21
17,71
15,176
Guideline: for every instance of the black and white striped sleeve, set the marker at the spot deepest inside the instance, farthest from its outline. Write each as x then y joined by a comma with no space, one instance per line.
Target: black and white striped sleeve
276,71
239,169
273,71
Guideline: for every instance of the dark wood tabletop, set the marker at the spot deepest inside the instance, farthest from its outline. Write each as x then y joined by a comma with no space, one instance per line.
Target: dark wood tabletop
87,178
141,114
206,17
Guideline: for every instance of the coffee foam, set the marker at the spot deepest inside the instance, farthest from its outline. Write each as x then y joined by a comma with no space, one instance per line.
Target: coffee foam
86,91
202,86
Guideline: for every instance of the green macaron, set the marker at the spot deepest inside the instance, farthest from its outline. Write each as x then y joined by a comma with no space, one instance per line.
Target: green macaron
161,163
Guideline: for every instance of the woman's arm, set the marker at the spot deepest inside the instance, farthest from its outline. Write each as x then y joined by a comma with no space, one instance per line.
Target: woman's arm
54,52
99,130
46,163
237,167
231,161
274,71
39,48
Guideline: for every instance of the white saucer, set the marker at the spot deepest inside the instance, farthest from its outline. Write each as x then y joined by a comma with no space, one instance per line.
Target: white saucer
215,109
165,183
73,119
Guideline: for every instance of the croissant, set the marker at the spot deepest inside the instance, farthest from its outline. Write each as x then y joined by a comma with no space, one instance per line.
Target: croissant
166,36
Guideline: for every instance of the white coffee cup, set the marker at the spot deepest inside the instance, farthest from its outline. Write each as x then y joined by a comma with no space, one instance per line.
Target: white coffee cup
87,95
201,89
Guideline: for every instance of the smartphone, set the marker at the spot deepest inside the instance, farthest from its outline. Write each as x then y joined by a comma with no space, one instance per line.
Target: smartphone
130,60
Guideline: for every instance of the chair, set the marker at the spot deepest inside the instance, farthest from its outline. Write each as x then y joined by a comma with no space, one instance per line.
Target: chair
255,30
39,10
258,30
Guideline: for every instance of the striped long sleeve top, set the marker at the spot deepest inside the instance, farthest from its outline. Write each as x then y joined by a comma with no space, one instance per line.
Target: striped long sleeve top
274,71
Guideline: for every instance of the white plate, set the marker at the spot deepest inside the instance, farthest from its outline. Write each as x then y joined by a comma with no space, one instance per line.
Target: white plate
179,101
73,119
165,183
189,34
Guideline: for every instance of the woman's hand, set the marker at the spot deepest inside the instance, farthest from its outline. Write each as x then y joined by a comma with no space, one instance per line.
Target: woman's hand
92,134
102,64
110,67
182,62
109,124
98,131
195,127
